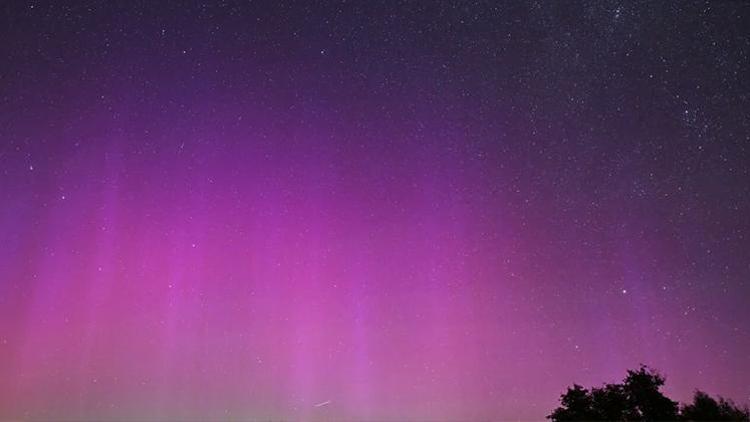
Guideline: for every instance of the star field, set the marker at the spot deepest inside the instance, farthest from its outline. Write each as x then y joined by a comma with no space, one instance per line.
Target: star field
366,210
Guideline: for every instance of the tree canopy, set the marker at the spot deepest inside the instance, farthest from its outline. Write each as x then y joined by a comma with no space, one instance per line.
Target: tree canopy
639,398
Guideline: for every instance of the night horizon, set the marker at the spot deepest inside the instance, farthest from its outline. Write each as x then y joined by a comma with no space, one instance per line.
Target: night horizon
396,211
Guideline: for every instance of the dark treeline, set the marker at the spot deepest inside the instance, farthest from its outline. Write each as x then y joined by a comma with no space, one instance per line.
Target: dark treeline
638,398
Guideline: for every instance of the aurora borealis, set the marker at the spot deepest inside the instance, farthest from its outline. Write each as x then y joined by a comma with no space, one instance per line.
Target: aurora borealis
375,210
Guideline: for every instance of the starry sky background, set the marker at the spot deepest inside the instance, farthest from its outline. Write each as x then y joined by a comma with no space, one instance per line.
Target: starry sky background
369,210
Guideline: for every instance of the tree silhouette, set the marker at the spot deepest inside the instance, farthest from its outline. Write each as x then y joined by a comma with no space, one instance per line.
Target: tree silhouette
577,405
645,401
611,403
638,398
706,408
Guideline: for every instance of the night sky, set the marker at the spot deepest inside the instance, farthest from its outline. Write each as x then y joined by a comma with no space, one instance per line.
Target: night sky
369,210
